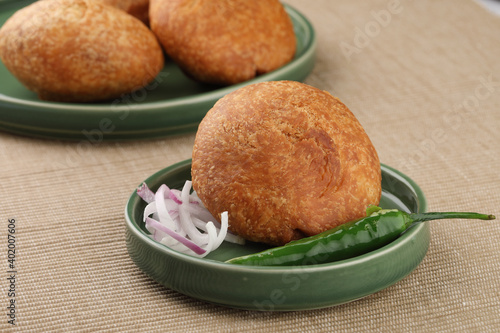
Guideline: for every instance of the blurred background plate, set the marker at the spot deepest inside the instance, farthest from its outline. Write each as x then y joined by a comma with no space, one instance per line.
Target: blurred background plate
278,288
172,104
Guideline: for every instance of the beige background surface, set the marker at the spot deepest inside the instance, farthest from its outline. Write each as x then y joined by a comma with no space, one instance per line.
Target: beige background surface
425,83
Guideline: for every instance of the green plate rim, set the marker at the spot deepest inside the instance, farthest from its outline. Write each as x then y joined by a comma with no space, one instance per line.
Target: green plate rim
422,204
161,263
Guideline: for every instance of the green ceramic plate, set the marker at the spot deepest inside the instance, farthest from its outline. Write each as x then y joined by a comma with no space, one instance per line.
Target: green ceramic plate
278,288
172,104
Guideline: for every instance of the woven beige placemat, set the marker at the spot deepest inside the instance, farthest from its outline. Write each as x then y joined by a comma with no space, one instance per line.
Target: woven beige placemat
423,78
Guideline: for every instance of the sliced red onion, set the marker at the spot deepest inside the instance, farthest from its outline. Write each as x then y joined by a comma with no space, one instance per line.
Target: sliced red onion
223,229
149,210
195,197
232,238
201,213
174,197
157,225
145,193
178,219
200,224
161,207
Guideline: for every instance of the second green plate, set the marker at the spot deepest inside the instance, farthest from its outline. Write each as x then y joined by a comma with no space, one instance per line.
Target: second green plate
172,104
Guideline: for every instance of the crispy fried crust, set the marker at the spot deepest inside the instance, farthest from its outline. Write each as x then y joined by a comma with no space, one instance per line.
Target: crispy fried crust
79,50
286,160
224,41
137,8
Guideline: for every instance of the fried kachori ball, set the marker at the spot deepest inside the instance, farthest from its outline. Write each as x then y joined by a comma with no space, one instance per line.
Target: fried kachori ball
225,41
286,160
79,50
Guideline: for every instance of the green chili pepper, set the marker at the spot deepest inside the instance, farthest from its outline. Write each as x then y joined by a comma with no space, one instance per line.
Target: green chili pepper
378,228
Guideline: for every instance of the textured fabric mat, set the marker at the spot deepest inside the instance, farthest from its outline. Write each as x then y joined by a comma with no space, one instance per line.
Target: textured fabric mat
423,77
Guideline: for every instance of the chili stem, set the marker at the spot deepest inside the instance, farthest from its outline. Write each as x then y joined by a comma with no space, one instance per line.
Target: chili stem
422,217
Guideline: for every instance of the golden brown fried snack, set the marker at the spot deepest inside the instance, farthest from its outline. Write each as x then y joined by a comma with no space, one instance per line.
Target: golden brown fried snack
79,50
286,160
225,41
137,8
